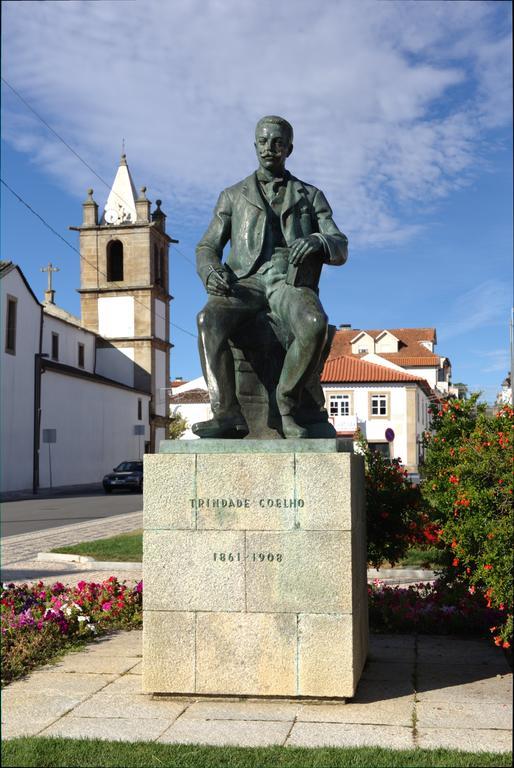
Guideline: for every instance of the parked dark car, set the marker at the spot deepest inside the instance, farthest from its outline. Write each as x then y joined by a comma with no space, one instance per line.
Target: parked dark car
128,475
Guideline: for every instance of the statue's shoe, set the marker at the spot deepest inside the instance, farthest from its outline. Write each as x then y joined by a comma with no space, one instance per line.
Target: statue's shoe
231,429
292,430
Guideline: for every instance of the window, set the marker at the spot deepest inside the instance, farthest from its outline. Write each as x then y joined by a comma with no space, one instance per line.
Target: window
81,355
362,351
157,266
382,448
140,409
55,346
10,325
339,405
379,405
114,261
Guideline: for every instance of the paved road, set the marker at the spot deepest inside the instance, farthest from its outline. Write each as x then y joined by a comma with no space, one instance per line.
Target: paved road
36,514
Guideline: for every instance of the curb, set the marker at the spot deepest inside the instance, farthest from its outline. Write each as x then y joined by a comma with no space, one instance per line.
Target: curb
89,563
400,575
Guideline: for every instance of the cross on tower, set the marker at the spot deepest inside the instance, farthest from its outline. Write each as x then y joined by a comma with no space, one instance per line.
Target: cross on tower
50,293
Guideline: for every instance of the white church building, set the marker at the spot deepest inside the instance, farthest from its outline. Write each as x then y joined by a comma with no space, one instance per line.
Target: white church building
80,395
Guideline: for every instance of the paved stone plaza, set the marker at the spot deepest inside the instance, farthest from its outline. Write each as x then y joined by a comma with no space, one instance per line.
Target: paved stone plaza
431,692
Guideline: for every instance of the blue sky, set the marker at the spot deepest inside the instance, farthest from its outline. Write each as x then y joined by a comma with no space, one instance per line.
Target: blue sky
402,115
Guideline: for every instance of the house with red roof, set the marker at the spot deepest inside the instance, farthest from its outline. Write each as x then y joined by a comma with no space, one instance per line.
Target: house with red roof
380,382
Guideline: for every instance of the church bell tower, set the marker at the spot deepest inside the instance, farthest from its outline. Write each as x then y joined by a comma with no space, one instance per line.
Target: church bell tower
124,293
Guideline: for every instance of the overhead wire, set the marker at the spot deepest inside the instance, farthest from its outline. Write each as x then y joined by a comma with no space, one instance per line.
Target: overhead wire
77,155
116,285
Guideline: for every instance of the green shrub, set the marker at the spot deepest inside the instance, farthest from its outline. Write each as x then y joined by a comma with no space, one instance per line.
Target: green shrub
394,514
467,481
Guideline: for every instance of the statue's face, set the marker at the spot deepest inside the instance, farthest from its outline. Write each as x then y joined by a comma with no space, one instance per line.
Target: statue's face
272,146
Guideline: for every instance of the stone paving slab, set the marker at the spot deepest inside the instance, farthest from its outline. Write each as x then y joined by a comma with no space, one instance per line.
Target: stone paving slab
458,706
459,714
395,649
389,712
483,740
111,729
242,710
16,727
236,733
129,705
28,705
441,688
384,670
346,735
460,650
78,685
85,662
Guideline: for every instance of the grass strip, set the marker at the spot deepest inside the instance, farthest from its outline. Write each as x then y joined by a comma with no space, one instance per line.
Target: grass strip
126,547
95,753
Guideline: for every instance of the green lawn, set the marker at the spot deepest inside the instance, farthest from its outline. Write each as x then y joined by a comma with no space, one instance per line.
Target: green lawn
84,753
126,547
432,557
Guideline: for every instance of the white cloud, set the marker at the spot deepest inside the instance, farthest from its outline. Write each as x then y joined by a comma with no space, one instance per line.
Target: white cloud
390,101
484,305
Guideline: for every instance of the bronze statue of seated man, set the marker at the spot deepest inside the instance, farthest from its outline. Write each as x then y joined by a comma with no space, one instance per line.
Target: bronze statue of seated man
281,233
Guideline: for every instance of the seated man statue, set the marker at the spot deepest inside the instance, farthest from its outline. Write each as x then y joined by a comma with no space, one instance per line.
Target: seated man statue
281,232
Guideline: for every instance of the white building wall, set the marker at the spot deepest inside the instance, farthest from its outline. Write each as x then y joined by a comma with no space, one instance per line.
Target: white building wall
373,428
116,364
17,386
95,429
192,413
160,382
160,319
116,316
69,338
430,374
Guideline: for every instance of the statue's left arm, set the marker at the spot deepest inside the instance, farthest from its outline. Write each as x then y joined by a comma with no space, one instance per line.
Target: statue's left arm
335,243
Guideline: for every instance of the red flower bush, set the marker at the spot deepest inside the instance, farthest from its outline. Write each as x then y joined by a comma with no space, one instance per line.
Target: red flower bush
394,516
468,484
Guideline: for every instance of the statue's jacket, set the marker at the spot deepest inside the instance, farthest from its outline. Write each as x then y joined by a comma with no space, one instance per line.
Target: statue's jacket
240,216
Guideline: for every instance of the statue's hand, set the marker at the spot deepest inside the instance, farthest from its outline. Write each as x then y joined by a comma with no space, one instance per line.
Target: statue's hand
303,247
218,282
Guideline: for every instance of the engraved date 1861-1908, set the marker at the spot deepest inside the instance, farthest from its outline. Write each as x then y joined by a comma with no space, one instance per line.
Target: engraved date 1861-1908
255,557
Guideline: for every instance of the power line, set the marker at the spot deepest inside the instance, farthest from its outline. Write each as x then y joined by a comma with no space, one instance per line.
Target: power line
115,284
77,155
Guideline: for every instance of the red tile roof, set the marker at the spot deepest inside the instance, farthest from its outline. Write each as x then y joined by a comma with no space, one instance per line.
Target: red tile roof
424,361
190,397
409,348
350,369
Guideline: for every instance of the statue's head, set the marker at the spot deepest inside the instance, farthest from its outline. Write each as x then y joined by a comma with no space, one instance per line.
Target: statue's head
273,142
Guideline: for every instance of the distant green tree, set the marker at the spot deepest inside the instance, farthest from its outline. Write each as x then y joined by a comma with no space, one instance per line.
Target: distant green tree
177,426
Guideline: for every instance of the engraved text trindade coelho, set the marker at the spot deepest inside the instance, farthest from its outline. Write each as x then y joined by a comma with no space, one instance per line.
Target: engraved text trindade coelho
245,503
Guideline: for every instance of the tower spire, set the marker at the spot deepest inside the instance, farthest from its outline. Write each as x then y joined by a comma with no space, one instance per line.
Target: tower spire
120,207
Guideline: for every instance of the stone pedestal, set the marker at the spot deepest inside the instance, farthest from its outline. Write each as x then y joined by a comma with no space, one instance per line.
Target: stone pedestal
254,568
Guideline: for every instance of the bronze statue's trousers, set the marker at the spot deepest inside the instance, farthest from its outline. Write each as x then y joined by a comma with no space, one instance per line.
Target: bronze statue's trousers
301,315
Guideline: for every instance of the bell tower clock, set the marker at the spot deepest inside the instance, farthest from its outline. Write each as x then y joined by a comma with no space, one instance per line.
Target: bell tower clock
124,278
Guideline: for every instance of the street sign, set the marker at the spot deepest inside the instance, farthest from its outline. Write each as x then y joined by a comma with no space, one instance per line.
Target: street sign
49,435
389,435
